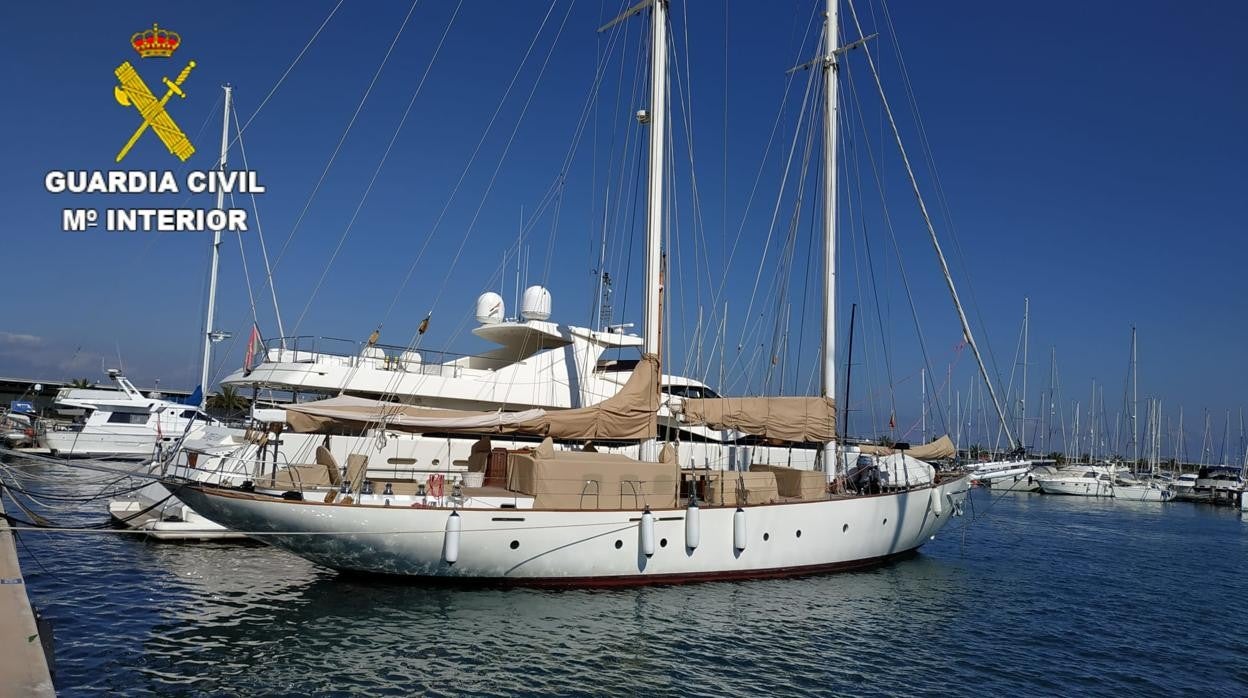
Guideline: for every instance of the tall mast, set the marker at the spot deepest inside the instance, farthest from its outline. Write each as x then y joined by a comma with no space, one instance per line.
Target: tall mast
923,400
654,198
1135,399
216,256
1022,412
830,85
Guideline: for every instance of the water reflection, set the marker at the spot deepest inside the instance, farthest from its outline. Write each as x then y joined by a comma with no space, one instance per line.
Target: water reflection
1040,595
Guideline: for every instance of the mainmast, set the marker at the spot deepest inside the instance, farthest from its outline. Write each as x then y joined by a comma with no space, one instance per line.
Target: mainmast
656,118
1135,400
830,84
654,199
209,318
1022,411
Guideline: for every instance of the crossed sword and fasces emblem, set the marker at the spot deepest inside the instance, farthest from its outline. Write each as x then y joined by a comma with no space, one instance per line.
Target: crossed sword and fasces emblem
133,91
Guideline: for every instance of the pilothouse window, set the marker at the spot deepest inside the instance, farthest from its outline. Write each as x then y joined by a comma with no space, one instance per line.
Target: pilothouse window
127,418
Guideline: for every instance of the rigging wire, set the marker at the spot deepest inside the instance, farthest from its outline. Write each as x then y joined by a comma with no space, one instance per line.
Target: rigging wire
264,250
330,163
471,160
289,68
970,339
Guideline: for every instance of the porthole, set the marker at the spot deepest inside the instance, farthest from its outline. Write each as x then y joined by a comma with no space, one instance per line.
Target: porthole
619,544
885,521
799,533
662,542
766,536
515,544
845,528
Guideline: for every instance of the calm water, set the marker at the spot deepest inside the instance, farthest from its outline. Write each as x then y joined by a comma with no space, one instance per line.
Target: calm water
1039,596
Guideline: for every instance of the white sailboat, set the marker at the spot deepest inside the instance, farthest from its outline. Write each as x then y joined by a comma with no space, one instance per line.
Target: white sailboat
552,518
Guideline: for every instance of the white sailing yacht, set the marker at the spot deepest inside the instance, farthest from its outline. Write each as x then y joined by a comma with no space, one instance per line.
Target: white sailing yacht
583,518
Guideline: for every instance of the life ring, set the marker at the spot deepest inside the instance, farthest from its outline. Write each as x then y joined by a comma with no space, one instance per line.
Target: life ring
436,485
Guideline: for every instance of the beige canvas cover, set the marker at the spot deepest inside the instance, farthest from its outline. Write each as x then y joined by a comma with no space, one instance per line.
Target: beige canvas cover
807,485
627,415
587,480
936,450
734,488
792,419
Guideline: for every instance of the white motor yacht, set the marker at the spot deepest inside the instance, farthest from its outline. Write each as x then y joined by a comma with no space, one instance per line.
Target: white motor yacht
1142,490
1080,481
120,424
1218,484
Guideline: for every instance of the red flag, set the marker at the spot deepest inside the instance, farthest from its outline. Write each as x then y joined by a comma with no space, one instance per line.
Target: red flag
255,345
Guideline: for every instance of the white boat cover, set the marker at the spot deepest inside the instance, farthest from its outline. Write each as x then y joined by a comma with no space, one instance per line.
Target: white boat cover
903,470
792,419
936,450
628,415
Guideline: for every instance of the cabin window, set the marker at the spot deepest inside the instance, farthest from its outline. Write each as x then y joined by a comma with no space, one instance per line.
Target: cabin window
188,414
127,418
690,391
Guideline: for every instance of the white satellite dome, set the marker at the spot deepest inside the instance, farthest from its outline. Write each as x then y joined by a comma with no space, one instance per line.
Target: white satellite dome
536,303
490,309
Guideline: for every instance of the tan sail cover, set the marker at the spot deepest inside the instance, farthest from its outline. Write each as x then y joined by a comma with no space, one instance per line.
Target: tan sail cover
793,419
936,450
627,415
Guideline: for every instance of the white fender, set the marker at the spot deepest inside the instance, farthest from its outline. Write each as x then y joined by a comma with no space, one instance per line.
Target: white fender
938,502
738,529
693,526
646,529
450,544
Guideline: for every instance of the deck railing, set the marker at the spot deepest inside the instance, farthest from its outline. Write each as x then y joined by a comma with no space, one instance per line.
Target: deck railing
308,349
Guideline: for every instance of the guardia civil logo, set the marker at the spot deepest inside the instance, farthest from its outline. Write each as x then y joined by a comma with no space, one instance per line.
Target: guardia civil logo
134,92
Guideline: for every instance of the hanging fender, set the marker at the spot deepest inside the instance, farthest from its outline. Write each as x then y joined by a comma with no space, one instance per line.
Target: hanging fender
938,502
738,530
646,533
450,542
693,526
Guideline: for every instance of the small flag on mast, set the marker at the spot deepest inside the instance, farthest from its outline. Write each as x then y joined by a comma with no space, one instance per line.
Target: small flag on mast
255,345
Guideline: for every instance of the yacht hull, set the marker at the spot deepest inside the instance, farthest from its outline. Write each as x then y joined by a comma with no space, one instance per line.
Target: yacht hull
1143,493
591,547
1076,488
88,444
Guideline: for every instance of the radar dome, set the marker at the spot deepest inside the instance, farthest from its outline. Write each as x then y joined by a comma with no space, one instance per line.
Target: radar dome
536,303
490,310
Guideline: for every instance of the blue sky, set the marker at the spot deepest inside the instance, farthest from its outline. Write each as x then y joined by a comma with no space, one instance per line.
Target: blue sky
1091,154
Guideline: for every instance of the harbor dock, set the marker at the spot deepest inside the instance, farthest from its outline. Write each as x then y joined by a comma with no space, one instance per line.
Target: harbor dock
23,664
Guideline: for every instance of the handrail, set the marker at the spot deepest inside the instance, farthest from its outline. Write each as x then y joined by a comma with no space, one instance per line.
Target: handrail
313,346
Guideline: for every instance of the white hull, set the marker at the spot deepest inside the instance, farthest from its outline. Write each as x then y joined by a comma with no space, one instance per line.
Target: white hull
1022,482
1076,487
162,516
1143,493
100,444
589,548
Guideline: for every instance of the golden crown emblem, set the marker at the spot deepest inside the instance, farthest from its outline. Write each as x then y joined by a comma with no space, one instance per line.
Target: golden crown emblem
155,42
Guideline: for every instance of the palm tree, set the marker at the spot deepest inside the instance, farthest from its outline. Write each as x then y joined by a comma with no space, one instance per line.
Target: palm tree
228,400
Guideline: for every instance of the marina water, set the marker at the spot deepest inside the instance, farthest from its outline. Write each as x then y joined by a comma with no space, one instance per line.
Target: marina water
1026,595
